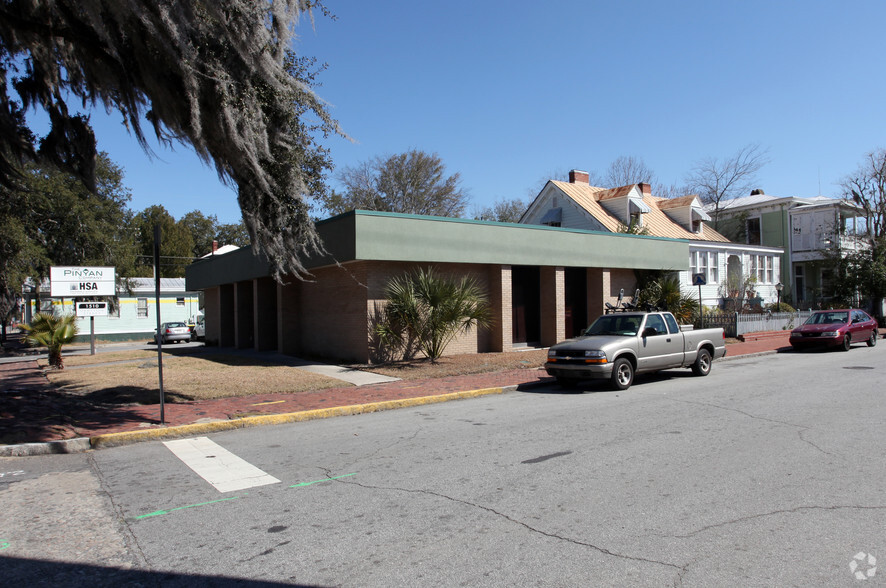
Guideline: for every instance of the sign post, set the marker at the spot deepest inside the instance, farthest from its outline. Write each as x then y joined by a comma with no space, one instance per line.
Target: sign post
159,338
92,310
699,280
79,281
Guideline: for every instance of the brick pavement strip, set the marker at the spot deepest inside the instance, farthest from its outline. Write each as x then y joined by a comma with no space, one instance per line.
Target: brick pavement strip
108,426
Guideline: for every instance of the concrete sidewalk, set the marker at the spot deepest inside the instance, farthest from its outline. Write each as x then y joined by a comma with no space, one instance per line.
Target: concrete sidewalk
35,418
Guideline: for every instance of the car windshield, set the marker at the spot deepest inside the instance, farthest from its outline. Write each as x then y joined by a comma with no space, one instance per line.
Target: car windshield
828,318
614,324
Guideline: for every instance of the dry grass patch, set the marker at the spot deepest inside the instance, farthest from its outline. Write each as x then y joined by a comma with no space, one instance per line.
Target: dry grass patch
458,365
186,378
77,360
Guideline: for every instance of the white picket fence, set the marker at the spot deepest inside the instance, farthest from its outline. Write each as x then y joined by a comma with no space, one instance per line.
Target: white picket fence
740,324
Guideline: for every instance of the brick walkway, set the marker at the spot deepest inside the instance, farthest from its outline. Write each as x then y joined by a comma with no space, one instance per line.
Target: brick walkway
31,410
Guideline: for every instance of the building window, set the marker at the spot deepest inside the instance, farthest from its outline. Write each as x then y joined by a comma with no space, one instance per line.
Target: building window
142,311
114,308
799,283
705,263
770,262
180,301
753,226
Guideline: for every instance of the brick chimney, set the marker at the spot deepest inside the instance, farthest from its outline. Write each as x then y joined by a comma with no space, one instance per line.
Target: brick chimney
578,177
214,246
645,188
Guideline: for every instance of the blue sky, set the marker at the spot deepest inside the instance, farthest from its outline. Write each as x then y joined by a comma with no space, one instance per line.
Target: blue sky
508,93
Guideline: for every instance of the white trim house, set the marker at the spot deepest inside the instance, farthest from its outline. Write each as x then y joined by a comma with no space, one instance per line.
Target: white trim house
577,205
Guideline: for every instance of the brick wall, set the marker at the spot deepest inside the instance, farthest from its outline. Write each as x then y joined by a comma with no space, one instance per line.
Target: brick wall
380,273
332,319
211,315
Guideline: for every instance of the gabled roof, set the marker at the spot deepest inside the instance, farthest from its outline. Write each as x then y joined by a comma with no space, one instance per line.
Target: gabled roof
655,221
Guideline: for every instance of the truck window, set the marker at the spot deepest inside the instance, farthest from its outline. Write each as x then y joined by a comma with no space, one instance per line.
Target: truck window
673,327
655,321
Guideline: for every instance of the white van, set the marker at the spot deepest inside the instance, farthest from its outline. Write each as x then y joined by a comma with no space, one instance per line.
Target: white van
198,333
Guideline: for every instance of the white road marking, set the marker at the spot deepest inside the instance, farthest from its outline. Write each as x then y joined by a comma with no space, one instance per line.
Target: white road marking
218,466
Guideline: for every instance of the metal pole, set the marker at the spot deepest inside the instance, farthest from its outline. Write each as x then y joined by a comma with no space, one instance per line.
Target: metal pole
159,336
92,335
700,307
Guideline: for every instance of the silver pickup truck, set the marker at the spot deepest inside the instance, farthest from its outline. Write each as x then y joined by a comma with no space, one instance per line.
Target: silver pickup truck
621,344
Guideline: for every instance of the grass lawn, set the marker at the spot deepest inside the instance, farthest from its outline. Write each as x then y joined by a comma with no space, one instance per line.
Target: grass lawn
132,376
185,377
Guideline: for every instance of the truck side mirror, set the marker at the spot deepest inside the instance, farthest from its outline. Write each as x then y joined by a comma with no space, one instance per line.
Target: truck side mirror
650,332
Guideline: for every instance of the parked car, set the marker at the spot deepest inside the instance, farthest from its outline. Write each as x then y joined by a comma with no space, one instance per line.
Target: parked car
620,344
835,328
198,331
171,332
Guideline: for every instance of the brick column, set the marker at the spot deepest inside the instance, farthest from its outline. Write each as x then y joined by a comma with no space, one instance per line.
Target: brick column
501,336
553,305
226,314
244,325
264,314
288,340
598,291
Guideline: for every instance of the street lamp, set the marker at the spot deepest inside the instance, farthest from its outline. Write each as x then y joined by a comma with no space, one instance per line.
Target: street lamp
778,288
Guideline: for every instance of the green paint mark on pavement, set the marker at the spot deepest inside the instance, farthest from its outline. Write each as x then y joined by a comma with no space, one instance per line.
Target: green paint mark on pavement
157,513
323,480
4,544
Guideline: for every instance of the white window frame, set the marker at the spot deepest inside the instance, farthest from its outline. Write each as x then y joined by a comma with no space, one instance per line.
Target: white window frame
713,268
142,311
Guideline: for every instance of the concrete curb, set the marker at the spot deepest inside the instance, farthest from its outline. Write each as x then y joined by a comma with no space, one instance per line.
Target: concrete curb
78,445
129,437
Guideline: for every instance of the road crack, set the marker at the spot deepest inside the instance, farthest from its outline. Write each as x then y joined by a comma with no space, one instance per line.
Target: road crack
802,428
771,514
514,521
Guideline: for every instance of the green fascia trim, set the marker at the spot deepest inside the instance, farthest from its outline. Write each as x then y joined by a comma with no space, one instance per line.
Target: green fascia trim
394,237
383,236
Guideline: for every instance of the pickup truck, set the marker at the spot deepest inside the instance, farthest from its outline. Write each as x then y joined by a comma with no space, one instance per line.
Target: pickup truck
619,345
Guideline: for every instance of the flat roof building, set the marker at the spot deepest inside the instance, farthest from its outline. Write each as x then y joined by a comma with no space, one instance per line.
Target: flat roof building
543,283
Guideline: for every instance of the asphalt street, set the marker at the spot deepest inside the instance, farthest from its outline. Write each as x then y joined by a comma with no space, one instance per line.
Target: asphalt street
768,472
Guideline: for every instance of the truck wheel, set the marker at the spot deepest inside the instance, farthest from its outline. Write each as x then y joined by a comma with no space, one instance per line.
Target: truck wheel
622,374
847,343
702,365
873,340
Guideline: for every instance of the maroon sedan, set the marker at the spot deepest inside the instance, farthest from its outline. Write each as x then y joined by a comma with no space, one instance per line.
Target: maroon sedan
835,328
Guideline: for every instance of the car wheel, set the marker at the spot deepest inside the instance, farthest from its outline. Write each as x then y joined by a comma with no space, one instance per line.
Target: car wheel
873,339
702,365
847,343
622,374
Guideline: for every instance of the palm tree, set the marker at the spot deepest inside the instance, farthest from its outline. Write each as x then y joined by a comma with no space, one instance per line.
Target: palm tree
52,332
427,311
665,293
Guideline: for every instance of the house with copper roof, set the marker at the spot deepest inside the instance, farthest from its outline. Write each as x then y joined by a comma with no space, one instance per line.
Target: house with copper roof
723,264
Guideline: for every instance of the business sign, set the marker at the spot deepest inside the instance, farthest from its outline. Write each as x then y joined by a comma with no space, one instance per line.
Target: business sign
91,308
71,281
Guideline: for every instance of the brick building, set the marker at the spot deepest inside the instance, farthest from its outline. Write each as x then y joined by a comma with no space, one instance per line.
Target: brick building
544,283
